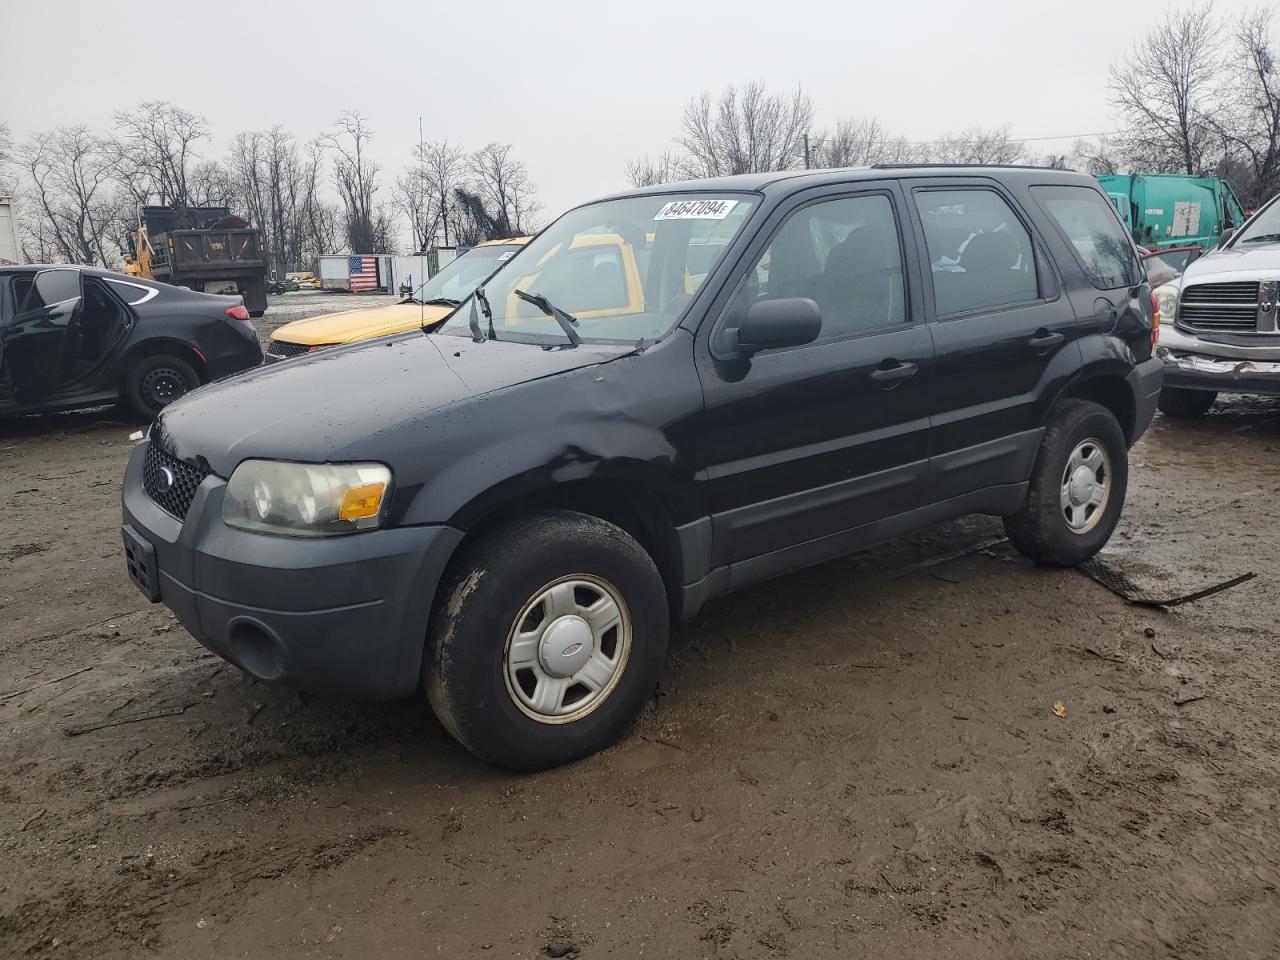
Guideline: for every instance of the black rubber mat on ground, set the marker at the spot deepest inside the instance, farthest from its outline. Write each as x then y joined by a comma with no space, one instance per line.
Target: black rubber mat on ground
1109,575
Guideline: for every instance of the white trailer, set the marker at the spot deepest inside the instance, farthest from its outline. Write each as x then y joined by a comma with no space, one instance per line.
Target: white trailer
334,273
412,271
8,232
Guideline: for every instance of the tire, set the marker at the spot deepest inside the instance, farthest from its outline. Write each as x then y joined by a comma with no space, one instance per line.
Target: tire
156,381
1181,403
1043,529
495,707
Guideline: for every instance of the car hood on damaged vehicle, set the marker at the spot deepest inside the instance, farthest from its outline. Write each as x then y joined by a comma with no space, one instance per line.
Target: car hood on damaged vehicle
344,403
1240,262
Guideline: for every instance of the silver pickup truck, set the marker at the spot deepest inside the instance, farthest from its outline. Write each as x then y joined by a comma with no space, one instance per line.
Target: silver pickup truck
1224,336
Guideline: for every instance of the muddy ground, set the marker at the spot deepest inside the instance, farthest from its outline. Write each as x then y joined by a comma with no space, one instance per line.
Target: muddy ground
858,760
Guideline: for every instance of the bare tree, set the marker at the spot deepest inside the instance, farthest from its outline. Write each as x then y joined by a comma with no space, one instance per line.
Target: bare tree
744,131
415,196
6,154
1248,118
644,171
210,185
444,169
1164,87
320,230
1096,157
975,145
355,175
155,151
70,173
502,182
859,142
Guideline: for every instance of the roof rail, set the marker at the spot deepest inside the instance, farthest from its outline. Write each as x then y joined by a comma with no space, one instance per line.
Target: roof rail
943,166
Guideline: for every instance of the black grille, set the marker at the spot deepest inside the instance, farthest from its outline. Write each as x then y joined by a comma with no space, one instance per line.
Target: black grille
175,498
278,350
1220,306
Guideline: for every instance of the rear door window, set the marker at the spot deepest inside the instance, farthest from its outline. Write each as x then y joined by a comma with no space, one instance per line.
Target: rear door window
51,287
1101,246
980,254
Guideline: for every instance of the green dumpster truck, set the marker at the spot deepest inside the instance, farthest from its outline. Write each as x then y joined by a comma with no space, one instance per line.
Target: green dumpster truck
1173,210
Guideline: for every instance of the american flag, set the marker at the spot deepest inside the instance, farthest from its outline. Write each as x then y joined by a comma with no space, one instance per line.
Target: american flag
364,273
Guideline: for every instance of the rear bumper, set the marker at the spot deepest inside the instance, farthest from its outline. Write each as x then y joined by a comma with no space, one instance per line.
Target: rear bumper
1194,364
1145,381
343,615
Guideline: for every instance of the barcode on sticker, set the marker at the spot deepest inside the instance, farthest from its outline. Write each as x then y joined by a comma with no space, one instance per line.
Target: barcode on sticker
696,210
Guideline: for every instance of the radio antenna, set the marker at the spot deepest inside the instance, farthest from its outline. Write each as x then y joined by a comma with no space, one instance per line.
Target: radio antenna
422,253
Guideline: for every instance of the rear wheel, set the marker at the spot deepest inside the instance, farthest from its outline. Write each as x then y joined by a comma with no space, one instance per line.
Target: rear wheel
1077,487
155,382
548,641
1178,402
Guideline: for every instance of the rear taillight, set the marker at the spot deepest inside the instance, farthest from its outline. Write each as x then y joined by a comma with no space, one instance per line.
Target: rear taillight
238,312
1155,318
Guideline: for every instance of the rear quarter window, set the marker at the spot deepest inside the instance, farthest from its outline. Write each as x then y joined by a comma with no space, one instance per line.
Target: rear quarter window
132,293
1098,239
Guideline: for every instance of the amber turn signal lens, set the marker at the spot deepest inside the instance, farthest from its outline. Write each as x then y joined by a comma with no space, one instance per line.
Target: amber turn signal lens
362,501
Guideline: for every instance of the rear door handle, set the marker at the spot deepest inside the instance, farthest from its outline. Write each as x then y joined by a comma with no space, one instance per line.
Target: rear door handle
1043,341
889,377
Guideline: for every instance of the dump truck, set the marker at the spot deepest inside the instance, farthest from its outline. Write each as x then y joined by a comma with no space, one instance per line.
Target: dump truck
1173,210
203,248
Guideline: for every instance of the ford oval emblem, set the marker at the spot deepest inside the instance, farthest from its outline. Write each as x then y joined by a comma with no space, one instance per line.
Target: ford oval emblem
166,480
570,650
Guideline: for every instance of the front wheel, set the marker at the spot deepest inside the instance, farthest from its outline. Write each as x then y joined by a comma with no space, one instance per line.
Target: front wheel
1077,487
155,382
1178,402
548,640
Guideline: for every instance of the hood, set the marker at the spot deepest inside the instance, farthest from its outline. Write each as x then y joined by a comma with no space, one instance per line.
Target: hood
361,324
1253,261
355,403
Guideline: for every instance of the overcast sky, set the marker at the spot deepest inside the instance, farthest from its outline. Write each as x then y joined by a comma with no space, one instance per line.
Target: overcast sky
578,88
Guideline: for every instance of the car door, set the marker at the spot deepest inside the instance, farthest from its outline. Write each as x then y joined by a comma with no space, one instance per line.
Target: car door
1001,329
1116,300
35,336
799,447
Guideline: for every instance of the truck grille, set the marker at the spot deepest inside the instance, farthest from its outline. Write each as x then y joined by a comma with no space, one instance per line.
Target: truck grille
278,350
174,498
1220,307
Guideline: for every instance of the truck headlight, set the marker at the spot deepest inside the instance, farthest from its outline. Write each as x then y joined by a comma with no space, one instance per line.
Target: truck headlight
306,499
1167,297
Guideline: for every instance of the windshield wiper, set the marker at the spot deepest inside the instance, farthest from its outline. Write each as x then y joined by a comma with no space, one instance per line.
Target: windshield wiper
1263,238
567,321
438,302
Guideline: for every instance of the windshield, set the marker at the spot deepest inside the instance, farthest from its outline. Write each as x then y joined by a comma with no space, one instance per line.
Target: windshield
459,277
1265,227
623,269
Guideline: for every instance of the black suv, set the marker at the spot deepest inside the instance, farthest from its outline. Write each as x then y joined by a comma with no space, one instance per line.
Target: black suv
668,394
74,336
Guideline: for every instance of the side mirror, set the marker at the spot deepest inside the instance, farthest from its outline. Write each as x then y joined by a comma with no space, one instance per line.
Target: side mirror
1227,234
770,324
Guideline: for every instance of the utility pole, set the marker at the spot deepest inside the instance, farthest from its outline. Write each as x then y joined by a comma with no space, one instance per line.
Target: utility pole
806,150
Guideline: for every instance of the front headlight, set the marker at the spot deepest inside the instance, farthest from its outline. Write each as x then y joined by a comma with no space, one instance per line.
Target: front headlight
306,499
1167,297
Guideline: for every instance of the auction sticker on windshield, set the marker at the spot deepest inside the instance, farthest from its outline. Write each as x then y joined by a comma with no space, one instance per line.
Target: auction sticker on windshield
696,210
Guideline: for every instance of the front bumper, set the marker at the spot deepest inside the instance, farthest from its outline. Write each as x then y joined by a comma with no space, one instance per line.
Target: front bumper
1191,363
342,615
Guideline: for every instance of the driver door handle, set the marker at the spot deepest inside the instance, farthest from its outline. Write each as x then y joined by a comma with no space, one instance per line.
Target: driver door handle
1043,340
891,376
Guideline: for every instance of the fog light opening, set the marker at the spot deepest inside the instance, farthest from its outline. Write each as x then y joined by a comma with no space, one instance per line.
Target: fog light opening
256,649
